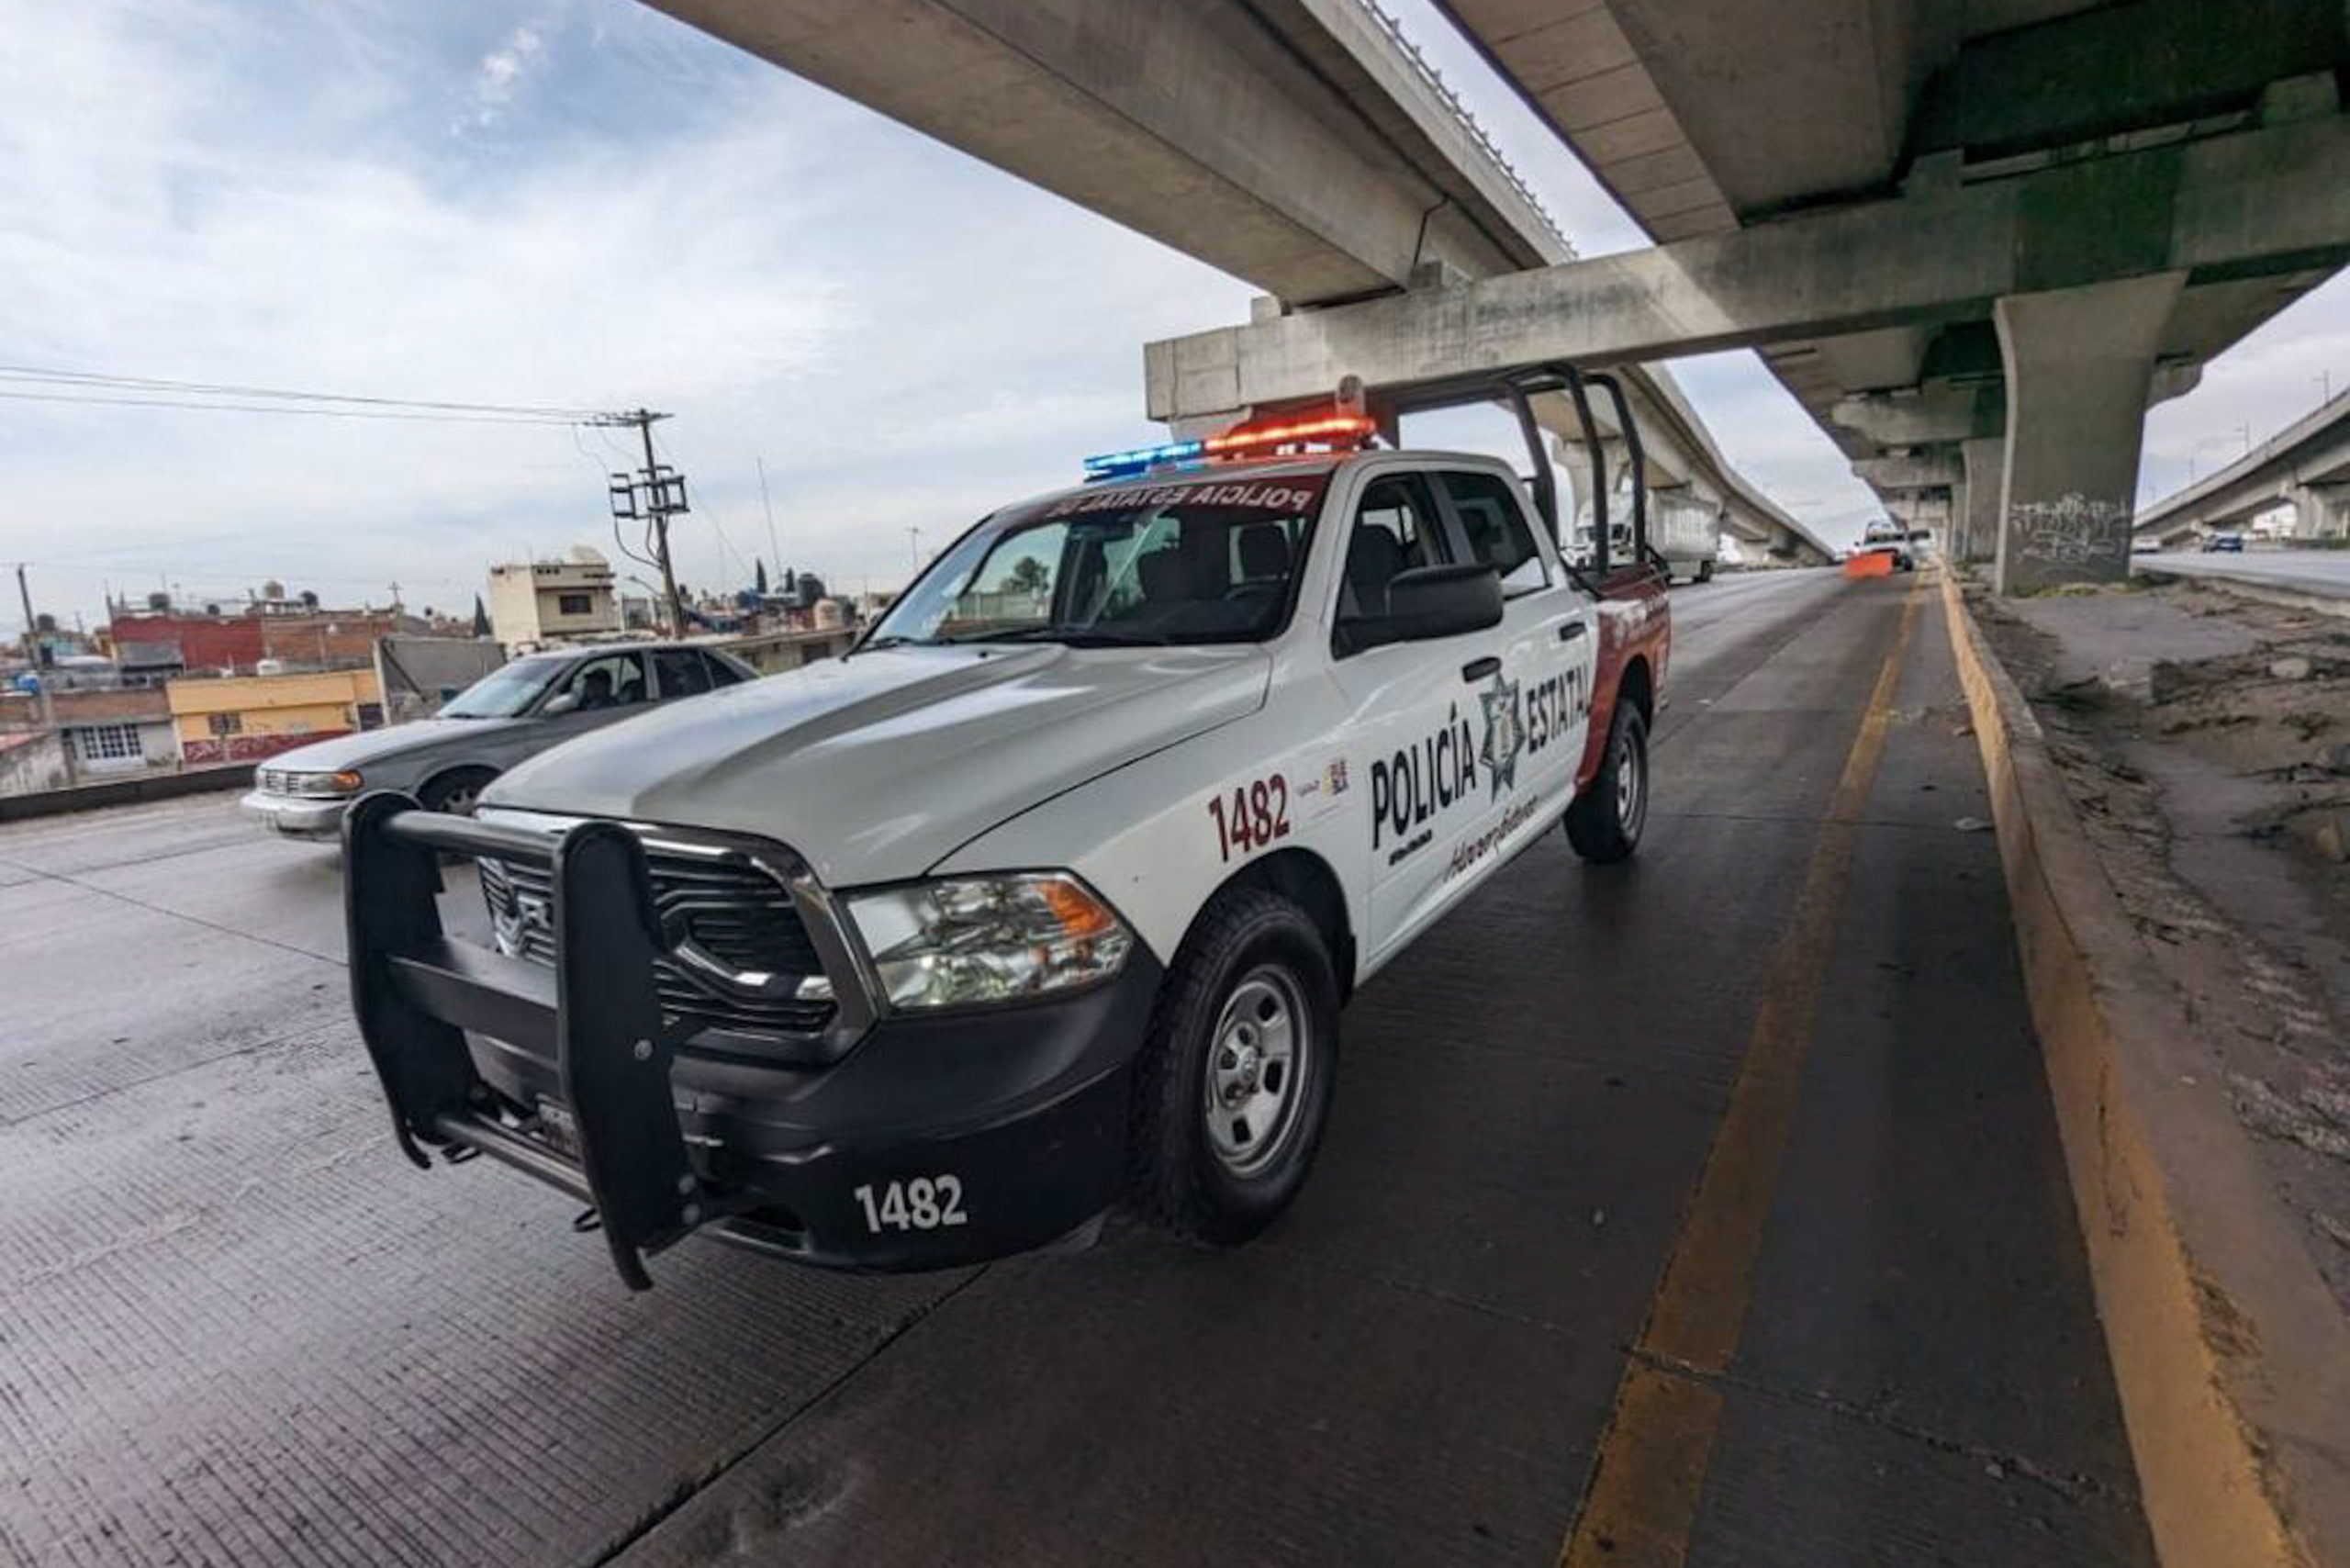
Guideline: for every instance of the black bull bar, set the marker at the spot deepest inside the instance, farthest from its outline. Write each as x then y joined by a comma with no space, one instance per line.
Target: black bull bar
596,1012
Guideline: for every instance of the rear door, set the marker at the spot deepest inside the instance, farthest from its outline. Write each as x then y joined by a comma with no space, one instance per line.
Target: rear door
680,672
1535,708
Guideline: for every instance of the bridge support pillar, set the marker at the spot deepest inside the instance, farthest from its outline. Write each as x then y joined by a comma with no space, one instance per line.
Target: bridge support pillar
2079,364
1975,507
2320,511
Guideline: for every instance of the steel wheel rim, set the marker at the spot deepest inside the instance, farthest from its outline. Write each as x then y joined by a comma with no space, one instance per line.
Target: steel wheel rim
1630,805
458,802
1258,1056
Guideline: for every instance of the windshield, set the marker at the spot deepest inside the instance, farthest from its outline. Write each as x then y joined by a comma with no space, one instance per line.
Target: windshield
504,691
1207,562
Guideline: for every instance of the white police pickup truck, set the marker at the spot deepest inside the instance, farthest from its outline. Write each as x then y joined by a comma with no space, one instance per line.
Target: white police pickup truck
1047,895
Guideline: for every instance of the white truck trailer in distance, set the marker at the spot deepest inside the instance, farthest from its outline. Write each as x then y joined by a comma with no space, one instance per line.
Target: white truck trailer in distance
1687,533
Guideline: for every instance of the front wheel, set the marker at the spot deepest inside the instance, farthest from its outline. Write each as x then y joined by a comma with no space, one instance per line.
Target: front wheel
1605,823
456,791
1233,1084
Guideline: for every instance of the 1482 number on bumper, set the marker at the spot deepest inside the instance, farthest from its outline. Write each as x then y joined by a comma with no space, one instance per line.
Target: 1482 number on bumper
927,1203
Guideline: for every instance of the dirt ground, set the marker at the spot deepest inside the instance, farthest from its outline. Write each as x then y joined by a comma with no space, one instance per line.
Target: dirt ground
2206,739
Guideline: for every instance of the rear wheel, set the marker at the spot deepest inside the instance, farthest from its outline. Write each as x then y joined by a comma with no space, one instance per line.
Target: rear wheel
1233,1084
1605,823
455,791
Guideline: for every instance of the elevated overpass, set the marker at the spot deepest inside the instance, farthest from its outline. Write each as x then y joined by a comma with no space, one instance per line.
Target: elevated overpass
1297,144
1974,241
2306,466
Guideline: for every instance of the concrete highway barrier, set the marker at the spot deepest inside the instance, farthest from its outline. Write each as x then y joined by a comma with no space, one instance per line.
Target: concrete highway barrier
125,791
2231,1354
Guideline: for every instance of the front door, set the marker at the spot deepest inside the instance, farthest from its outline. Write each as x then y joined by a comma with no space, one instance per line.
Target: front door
1539,703
1416,721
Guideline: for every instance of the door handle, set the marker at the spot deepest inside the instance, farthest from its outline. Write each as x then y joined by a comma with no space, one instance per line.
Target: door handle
1570,630
1476,670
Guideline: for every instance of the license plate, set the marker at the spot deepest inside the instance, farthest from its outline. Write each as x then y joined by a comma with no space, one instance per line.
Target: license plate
558,1129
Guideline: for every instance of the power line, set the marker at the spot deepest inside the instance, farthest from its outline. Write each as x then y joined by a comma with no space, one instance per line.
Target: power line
560,413
451,418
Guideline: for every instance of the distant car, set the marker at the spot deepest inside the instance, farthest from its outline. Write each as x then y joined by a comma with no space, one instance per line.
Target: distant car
2229,540
2146,547
515,712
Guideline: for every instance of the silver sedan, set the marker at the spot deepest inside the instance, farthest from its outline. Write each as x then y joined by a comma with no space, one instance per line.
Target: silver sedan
515,712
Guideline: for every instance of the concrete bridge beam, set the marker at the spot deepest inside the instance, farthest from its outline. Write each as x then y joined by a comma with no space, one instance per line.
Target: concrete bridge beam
1916,470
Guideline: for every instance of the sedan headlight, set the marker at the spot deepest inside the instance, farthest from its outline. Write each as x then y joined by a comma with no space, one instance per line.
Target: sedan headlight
981,939
345,783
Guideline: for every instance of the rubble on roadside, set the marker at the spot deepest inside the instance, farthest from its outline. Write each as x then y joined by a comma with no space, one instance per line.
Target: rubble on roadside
2205,740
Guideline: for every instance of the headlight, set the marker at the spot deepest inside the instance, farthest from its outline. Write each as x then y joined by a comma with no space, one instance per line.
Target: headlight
346,783
979,939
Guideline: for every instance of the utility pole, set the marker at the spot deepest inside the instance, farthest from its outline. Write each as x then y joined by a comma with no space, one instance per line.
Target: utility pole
653,495
913,548
48,704
775,544
25,597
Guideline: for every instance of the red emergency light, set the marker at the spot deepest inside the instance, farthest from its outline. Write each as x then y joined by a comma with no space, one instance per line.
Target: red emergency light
1271,435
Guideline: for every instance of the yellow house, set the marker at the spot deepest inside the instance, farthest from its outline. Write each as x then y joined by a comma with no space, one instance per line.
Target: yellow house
243,717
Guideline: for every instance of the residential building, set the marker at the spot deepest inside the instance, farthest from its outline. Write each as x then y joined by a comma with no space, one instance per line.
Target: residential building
162,640
97,733
533,603
245,717
124,731
31,762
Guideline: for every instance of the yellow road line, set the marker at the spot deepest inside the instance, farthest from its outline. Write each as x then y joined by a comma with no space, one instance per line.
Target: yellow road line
1643,1497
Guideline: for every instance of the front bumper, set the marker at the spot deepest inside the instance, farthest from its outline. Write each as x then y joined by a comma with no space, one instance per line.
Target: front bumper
296,816
930,1142
1023,1111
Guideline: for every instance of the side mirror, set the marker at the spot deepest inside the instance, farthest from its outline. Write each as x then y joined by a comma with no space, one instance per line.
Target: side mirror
1428,602
560,703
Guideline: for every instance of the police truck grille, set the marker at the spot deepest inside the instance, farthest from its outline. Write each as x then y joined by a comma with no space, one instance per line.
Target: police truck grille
736,914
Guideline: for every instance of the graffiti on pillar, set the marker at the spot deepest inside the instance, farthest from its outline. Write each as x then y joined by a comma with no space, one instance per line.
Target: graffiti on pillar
2072,531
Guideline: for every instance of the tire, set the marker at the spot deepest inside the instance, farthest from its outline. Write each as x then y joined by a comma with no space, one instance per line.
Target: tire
455,790
1227,1121
1705,571
1606,821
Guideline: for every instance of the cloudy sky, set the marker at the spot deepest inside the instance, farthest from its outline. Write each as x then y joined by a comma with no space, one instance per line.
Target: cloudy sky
582,203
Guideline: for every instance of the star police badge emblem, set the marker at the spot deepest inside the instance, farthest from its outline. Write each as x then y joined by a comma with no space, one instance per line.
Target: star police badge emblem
1504,735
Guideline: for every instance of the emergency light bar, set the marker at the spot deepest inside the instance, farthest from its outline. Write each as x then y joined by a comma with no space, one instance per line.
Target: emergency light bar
1343,430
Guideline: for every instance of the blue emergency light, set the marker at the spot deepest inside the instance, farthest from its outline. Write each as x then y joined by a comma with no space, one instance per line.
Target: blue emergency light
1142,459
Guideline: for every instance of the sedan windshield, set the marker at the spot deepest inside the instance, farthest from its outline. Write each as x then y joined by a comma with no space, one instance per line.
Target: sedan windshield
1205,562
504,691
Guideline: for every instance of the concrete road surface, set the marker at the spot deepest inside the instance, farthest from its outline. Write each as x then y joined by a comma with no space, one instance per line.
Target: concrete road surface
2326,573
1738,1155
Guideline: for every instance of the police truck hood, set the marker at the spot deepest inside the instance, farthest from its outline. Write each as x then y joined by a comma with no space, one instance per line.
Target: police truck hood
878,765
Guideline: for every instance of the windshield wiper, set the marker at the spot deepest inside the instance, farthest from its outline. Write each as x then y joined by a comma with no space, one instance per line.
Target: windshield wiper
896,640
